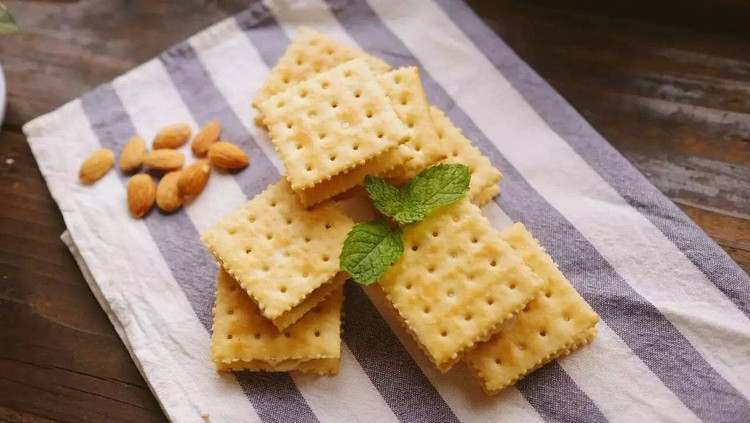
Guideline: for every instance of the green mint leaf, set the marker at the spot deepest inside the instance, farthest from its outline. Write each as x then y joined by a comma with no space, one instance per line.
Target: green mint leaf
386,198
433,188
369,250
8,25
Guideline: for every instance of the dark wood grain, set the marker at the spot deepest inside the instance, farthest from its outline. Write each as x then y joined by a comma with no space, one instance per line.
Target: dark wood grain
673,99
668,86
60,358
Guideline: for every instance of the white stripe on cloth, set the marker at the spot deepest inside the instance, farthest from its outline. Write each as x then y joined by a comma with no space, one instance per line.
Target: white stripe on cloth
631,378
637,250
616,379
169,344
350,395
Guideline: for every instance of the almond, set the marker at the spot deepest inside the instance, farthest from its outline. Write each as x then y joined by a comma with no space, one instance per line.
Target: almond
131,155
172,136
141,194
208,135
165,160
96,165
167,192
227,155
194,178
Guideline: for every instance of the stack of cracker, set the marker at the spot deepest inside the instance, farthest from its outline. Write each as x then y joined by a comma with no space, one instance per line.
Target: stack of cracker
463,289
279,291
336,115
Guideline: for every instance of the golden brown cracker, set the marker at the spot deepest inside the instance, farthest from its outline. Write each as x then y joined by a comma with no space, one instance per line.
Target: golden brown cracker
555,323
460,150
277,250
332,123
308,54
456,282
242,336
311,301
403,87
344,182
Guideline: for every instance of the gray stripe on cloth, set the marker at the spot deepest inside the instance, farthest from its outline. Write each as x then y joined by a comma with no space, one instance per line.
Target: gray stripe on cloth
636,321
205,101
259,24
619,173
562,403
368,335
273,395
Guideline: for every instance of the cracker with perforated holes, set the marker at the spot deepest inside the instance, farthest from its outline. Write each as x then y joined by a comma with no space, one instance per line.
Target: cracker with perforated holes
308,54
456,282
345,181
243,339
277,250
311,301
485,195
404,89
484,176
332,123
577,343
555,323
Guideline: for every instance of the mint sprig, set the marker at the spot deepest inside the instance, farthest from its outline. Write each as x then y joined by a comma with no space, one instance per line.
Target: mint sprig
385,197
433,188
371,248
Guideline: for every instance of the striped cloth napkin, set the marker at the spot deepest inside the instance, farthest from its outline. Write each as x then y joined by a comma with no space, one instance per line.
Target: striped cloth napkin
674,340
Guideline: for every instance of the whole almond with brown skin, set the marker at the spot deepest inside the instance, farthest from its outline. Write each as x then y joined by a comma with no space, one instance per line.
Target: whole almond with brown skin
164,160
167,192
172,136
96,165
208,135
227,155
141,194
194,178
131,155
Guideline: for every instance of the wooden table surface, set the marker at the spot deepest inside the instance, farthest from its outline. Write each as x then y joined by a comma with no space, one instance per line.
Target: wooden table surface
668,88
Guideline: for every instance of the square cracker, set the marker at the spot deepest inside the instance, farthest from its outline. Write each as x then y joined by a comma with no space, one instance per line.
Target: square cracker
311,301
403,87
404,90
277,250
345,181
245,340
552,325
331,123
308,54
456,282
485,195
459,149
